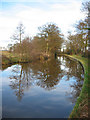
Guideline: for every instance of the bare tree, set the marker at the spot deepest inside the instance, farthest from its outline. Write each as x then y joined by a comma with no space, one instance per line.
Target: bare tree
18,35
52,36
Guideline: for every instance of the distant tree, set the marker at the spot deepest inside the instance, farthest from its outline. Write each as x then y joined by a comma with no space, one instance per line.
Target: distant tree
51,34
27,48
39,44
78,42
10,48
86,7
18,35
82,31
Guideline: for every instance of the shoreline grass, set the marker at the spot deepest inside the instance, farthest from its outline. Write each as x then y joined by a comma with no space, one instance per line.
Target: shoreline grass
80,109
11,58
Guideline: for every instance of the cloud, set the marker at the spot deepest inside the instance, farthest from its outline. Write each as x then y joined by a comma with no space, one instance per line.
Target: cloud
54,1
64,15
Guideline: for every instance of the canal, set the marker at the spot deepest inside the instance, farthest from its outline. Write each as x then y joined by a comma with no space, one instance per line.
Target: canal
46,89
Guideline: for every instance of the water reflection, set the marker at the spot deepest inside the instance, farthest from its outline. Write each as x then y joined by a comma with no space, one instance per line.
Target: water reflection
47,75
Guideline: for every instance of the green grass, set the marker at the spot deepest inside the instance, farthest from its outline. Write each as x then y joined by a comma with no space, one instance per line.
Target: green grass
81,107
8,58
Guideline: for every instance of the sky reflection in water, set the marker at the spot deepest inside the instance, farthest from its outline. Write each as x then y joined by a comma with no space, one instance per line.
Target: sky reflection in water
41,90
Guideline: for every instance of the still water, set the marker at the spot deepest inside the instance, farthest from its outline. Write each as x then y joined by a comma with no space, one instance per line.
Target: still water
46,89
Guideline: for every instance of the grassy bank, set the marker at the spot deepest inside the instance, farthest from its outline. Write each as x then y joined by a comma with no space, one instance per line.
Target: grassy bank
10,58
81,107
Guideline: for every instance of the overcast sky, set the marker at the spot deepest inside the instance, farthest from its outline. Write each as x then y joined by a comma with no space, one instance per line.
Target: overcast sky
35,13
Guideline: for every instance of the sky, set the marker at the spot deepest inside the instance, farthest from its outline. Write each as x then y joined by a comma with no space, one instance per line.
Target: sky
35,13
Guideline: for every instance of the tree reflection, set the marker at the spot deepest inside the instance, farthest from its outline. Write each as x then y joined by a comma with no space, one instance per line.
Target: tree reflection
75,70
47,75
16,82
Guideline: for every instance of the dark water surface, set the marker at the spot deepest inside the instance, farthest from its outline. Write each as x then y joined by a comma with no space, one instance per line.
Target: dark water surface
46,89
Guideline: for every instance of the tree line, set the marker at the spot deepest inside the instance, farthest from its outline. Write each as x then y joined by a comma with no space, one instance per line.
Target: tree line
45,43
50,40
78,42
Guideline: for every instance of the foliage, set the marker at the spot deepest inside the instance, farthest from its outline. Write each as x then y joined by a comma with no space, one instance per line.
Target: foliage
78,43
45,43
52,36
86,7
